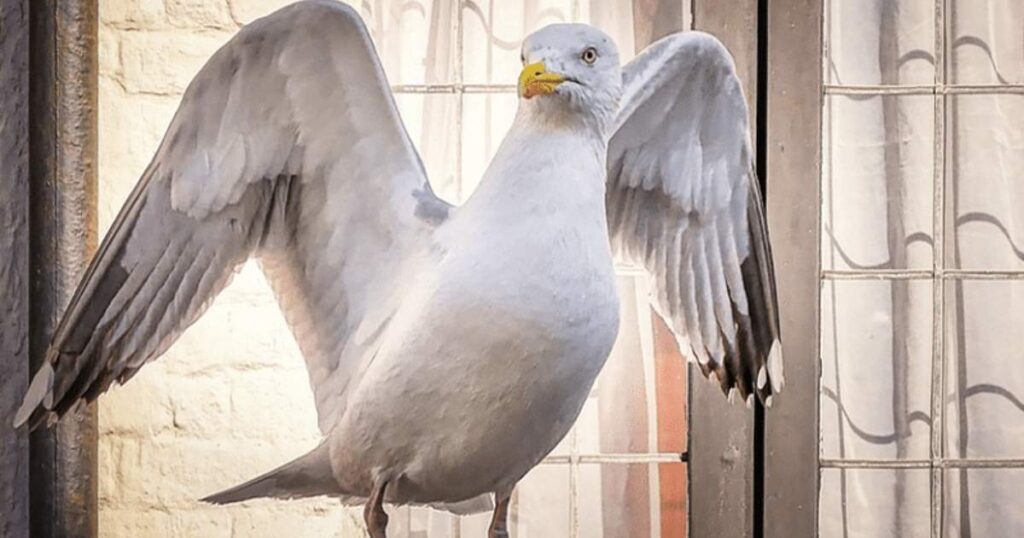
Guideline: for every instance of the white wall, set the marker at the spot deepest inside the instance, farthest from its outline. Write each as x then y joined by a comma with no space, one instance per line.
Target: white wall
230,400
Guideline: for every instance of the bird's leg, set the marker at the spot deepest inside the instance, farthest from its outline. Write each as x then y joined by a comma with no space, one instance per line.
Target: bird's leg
374,515
499,522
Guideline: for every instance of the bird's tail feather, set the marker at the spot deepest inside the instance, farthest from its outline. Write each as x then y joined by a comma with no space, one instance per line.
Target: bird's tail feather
309,475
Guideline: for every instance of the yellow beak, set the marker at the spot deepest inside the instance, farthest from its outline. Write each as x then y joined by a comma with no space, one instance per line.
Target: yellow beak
535,80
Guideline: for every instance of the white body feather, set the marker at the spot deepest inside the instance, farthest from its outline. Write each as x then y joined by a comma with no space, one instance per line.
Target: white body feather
520,283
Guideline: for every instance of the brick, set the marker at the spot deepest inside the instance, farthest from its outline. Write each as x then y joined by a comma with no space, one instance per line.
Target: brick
176,472
140,407
274,404
245,11
233,336
164,62
109,49
231,399
123,522
314,517
201,407
115,453
201,521
130,129
132,13
243,330
199,14
173,473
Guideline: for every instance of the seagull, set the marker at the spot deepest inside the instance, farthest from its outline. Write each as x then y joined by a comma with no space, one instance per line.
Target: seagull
449,349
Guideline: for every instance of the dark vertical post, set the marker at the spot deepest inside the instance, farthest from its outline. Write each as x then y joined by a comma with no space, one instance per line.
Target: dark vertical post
722,433
62,146
14,272
794,100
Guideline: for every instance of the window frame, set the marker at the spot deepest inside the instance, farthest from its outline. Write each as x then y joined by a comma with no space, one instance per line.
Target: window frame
792,157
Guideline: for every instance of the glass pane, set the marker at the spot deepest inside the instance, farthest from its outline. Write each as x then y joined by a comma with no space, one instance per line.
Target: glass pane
985,415
540,504
414,39
876,369
987,178
539,509
493,39
983,502
436,145
418,522
987,42
632,500
493,35
877,182
874,503
880,42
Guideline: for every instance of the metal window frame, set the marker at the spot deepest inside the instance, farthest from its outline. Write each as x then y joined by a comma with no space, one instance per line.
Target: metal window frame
63,127
48,480
939,275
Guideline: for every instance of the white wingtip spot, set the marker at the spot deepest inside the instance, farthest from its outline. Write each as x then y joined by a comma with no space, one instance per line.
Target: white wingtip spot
38,392
750,400
731,397
768,401
762,377
775,367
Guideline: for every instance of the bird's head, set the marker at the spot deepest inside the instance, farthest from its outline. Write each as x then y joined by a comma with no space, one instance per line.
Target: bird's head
571,71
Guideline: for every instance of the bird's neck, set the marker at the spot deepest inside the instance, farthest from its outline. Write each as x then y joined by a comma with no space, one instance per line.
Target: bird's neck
590,119
547,163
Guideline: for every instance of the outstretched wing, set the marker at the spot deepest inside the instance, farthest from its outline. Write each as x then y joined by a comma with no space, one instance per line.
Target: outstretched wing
287,145
684,203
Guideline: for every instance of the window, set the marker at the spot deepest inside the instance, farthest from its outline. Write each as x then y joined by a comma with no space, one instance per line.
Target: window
922,251
890,136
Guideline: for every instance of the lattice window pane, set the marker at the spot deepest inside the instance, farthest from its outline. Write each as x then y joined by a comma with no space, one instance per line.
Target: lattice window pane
985,380
991,509
877,184
876,369
987,41
871,43
987,182
975,278
874,503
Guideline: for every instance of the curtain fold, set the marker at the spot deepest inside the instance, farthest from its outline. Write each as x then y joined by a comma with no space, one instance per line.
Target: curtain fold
883,156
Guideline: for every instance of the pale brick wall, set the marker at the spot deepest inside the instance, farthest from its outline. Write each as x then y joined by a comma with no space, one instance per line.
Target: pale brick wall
231,399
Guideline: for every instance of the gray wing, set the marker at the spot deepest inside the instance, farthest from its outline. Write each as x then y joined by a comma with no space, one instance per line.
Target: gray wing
683,203
287,146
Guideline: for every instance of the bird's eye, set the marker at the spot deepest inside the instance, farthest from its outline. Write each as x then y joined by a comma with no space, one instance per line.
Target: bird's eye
522,58
589,55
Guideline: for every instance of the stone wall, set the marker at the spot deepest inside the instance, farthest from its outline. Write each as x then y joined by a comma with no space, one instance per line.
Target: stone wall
231,399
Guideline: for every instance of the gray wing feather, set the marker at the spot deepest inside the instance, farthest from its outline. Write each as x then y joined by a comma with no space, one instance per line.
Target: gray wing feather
288,146
683,203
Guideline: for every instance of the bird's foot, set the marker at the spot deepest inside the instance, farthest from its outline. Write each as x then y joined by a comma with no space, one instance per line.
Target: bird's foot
499,521
374,515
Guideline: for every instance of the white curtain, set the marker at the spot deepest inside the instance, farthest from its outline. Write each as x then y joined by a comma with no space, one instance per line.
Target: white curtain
882,158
